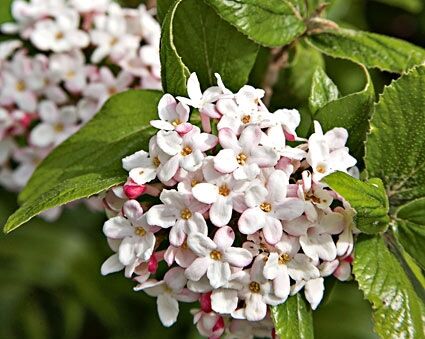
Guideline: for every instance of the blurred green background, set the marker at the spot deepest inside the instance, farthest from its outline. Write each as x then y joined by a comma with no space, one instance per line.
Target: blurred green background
50,282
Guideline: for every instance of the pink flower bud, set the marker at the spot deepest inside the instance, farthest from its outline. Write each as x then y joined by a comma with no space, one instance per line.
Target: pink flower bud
205,301
132,190
153,264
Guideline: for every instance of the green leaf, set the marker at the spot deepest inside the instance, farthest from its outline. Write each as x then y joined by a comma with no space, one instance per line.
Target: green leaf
174,73
353,113
323,90
206,44
369,49
410,221
271,23
395,147
293,319
398,312
89,162
293,86
162,7
367,198
414,6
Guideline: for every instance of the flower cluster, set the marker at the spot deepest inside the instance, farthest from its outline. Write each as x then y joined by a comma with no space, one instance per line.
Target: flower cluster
238,220
71,56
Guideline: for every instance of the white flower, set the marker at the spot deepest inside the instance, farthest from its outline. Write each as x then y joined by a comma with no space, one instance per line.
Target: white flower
138,239
313,291
168,292
71,68
256,291
181,212
111,36
108,85
202,101
84,6
186,151
56,124
61,34
222,191
267,206
286,262
243,157
216,256
173,115
326,152
16,87
144,166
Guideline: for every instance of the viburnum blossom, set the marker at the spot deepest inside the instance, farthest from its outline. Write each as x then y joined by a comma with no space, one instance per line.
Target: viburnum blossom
71,56
243,220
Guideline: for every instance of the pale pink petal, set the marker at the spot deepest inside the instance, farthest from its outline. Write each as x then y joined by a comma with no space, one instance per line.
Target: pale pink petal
225,161
238,257
224,301
168,309
197,269
224,237
313,291
251,221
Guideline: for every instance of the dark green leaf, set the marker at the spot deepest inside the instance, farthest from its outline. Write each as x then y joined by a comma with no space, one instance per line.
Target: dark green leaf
414,6
398,312
293,86
353,113
270,23
395,147
162,7
293,319
89,162
410,222
174,73
323,90
367,198
369,49
204,43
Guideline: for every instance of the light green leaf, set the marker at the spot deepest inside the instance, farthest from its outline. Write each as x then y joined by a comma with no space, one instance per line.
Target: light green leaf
270,23
89,162
410,225
369,49
395,147
367,198
293,319
414,6
323,90
203,43
174,73
353,113
398,312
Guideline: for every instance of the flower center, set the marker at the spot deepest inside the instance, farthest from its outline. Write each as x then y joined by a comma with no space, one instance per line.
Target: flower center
194,182
186,151
284,258
59,36
59,127
266,207
156,161
215,255
176,122
224,190
70,75
254,287
320,169
140,231
114,41
241,159
246,119
20,86
184,245
112,90
186,214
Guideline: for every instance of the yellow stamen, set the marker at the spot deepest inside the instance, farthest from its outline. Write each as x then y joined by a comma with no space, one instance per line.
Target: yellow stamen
156,161
215,255
254,287
266,207
246,119
186,151
176,122
241,159
20,86
284,258
186,214
140,231
224,190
